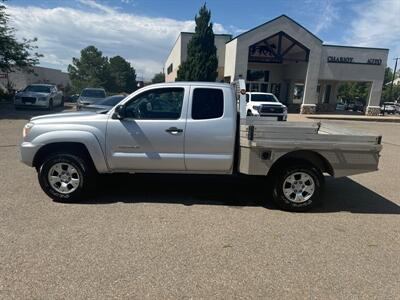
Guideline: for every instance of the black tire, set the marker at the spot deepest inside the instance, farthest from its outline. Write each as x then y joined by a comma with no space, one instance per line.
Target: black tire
50,105
86,172
62,102
289,204
249,113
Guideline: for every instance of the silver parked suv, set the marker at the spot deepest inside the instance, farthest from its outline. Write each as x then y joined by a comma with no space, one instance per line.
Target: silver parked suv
90,96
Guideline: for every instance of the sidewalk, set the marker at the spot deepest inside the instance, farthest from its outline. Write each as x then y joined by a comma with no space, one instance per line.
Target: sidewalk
316,117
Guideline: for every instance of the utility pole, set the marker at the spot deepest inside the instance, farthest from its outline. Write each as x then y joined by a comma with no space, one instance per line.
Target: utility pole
394,75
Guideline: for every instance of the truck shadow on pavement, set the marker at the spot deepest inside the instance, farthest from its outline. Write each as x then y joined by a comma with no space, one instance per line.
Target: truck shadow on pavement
341,194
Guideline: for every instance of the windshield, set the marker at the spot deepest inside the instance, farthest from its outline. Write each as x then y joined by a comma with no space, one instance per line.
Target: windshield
263,98
111,101
93,93
38,88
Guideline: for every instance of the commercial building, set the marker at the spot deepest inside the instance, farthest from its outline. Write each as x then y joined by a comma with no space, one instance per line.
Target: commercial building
283,57
20,79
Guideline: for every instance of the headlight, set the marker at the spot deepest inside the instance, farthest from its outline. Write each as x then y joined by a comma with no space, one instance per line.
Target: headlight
27,129
256,107
285,109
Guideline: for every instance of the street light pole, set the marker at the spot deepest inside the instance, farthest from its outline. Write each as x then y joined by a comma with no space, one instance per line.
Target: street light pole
394,75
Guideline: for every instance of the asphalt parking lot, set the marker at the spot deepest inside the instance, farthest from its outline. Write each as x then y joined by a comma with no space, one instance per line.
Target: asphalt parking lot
198,237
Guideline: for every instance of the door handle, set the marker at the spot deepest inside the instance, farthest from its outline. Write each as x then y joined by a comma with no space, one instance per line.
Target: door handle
174,130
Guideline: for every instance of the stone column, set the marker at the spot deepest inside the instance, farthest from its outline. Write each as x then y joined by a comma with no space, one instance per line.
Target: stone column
373,108
310,98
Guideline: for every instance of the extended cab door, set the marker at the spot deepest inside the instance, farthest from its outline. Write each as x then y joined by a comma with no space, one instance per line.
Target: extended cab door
210,130
151,136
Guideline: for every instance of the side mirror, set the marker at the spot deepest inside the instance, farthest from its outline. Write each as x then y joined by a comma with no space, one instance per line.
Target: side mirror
119,112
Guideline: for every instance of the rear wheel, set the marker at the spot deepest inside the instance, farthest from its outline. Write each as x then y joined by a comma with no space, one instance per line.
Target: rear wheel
66,177
297,187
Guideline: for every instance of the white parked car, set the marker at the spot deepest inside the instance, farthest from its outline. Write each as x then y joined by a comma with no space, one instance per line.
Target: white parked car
265,105
40,96
388,108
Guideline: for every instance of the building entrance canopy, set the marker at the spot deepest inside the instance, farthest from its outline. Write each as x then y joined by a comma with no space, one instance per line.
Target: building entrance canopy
277,49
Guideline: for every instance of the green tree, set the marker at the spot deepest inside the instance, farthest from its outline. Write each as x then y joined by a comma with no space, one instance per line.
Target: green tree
158,78
388,75
388,96
202,62
122,76
14,54
351,91
90,70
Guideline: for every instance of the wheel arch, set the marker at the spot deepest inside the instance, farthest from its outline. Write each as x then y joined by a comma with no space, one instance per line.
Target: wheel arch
71,147
306,156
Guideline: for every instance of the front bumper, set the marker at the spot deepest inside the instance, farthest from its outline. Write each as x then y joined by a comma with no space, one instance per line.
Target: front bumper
82,105
279,116
28,152
37,103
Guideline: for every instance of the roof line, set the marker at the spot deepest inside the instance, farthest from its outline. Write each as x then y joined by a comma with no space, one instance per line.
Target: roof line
357,47
219,34
285,16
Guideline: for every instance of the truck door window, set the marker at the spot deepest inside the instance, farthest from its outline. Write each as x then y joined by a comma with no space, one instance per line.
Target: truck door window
207,104
164,103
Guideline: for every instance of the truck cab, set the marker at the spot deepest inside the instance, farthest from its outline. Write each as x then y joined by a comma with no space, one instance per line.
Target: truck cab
177,127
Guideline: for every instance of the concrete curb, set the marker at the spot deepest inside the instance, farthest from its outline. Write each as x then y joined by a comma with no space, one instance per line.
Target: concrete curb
355,118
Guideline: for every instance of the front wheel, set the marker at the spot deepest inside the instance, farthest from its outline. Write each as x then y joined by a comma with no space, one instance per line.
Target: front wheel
297,187
66,177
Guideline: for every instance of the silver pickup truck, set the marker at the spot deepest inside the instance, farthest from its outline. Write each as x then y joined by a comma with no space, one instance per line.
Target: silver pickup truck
192,128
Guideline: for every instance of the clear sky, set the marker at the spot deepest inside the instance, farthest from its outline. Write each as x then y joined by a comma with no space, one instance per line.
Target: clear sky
143,31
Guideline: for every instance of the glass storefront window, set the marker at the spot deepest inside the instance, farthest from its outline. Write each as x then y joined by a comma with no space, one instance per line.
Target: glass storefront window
276,89
298,93
257,75
264,87
254,87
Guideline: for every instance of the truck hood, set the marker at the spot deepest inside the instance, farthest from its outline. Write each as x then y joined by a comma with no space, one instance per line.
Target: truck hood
64,117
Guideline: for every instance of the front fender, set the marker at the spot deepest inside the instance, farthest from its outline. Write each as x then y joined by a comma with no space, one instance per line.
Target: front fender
89,140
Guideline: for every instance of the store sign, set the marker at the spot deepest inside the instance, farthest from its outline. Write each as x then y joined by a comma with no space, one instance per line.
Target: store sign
350,60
